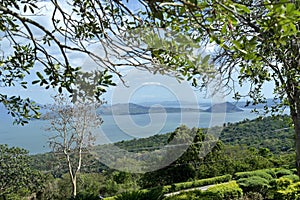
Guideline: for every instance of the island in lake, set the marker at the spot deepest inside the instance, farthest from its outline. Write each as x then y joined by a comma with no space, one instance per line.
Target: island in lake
136,109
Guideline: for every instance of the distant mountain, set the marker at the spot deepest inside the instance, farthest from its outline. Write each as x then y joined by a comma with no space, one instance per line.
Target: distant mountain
135,109
173,104
223,107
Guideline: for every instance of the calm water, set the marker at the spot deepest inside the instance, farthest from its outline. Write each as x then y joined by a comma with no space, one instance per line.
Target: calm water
33,137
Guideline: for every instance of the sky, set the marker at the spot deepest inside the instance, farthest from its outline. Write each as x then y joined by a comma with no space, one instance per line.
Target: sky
143,86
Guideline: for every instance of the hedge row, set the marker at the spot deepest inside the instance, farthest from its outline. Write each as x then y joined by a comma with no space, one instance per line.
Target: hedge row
185,185
197,183
267,174
221,191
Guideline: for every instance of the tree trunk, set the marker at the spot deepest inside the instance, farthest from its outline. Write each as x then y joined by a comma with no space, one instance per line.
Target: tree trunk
74,188
72,175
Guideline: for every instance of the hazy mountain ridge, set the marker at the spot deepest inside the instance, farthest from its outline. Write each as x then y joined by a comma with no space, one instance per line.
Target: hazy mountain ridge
135,109
160,107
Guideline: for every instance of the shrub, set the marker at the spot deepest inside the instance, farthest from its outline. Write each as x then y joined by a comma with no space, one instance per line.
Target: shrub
252,196
110,198
230,190
85,196
191,195
197,183
269,171
221,191
210,181
283,183
254,184
259,173
291,193
283,172
292,177
133,195
154,194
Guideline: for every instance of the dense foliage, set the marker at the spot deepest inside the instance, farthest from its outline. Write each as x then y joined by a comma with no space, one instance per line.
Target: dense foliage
17,178
274,133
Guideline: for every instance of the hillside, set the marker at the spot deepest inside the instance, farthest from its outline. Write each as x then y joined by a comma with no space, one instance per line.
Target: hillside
273,133
243,148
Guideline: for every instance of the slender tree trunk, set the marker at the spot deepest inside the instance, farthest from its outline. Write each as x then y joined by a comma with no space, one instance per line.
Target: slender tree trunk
72,175
74,186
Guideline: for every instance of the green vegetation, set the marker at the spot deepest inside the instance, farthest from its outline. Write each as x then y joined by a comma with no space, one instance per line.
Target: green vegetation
273,133
259,40
221,191
17,178
196,183
258,172
252,38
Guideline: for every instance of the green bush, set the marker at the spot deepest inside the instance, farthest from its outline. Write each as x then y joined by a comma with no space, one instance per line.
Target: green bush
221,191
85,196
283,172
214,180
191,195
291,193
133,195
268,171
293,177
294,170
258,173
252,196
197,183
154,194
230,190
283,183
110,198
254,184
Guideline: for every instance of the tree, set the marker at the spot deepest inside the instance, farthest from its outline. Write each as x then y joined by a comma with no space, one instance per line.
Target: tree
74,126
42,37
199,144
16,174
255,42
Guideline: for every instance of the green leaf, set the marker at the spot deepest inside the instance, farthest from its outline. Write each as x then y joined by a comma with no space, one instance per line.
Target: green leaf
242,7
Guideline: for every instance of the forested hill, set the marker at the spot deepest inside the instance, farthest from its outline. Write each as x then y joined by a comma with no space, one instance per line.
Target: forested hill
273,133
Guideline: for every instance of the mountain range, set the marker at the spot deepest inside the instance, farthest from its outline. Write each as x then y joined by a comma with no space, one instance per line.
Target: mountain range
135,109
163,107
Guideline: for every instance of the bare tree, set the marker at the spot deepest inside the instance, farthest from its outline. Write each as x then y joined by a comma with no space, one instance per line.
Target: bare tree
74,125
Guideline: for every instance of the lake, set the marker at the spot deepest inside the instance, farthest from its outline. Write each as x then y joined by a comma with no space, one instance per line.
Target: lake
33,136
